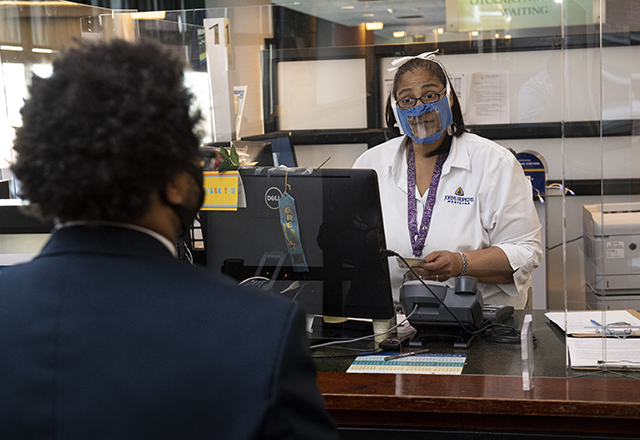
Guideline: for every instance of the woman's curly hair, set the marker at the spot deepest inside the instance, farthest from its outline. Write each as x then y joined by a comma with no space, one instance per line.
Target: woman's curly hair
112,125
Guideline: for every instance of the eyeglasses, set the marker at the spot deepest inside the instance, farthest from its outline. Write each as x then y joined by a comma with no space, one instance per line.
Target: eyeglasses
427,98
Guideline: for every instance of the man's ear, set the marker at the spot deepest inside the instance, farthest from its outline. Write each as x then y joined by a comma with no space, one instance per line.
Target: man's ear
177,190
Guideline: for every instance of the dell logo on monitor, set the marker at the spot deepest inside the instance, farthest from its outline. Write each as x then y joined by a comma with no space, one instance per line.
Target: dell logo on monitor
272,197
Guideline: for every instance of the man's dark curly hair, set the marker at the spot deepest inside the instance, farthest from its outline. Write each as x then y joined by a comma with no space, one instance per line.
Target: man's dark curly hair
112,125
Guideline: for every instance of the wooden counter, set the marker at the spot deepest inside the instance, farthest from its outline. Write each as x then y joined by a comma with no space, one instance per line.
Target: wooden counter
484,403
487,398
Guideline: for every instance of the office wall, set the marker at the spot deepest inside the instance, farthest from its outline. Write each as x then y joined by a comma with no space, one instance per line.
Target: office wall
597,84
322,94
333,156
249,28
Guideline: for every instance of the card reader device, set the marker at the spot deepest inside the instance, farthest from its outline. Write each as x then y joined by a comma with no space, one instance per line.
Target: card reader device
440,311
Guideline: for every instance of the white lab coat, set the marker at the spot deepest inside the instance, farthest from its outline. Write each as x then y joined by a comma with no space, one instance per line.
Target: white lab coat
483,200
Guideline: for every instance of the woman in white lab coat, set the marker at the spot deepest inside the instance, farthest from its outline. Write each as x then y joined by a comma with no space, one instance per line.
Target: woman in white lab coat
460,201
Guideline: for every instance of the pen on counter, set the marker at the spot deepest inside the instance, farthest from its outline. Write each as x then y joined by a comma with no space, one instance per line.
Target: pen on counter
620,365
613,324
401,355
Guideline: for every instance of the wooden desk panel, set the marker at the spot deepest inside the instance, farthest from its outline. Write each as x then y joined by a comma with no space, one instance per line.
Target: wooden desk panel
483,402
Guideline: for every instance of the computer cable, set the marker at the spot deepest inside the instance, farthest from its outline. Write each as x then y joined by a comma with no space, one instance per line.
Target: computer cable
182,251
567,242
247,280
347,355
560,187
538,195
255,282
187,253
362,338
504,334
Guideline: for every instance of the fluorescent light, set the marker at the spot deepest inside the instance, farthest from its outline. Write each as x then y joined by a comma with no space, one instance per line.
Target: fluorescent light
474,33
399,34
151,15
507,37
41,50
367,15
30,3
374,25
348,7
14,48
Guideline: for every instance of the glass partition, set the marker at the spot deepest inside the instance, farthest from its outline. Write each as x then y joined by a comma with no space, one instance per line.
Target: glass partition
601,169
31,33
555,81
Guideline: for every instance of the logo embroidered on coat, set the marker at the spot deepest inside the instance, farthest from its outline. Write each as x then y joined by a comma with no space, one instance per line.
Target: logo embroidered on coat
458,198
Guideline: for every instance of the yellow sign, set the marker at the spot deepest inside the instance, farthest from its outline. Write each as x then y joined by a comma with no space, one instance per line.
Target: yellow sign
475,15
220,191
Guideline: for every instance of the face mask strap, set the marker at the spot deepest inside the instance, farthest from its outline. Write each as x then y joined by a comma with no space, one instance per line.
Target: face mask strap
187,214
394,108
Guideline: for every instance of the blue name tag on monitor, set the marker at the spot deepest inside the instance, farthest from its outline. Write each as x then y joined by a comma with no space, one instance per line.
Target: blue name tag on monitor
291,231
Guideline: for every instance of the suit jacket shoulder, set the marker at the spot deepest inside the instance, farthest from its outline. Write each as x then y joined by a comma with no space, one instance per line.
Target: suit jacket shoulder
110,337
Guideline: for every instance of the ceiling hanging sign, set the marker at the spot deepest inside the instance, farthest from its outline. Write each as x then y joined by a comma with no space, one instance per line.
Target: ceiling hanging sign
488,15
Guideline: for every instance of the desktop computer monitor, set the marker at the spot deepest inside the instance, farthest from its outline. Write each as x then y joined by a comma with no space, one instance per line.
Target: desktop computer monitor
281,145
5,193
254,153
250,153
338,271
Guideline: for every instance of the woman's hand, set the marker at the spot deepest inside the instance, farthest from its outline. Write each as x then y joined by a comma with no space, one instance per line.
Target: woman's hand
440,266
489,266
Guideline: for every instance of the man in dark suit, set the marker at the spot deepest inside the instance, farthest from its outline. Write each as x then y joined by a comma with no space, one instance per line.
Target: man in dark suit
105,334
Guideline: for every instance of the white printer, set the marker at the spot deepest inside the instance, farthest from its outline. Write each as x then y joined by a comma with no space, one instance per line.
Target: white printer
612,255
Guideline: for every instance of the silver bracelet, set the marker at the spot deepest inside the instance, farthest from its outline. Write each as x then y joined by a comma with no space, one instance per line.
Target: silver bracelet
465,264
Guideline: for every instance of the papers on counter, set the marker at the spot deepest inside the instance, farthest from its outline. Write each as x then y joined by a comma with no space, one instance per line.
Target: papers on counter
431,363
585,323
612,353
588,349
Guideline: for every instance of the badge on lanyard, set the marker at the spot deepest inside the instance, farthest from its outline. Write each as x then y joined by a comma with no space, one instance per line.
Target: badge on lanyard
291,231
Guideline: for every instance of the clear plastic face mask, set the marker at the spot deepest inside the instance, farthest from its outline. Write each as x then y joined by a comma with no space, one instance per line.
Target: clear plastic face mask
425,124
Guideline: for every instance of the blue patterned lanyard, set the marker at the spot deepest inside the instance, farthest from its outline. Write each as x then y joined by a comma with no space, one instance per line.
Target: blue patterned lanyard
419,237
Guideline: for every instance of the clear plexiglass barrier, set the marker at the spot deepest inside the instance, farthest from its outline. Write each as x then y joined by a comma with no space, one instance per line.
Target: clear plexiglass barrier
556,82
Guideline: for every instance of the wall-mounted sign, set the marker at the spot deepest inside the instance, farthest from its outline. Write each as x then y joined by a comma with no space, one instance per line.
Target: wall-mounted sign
488,15
535,169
